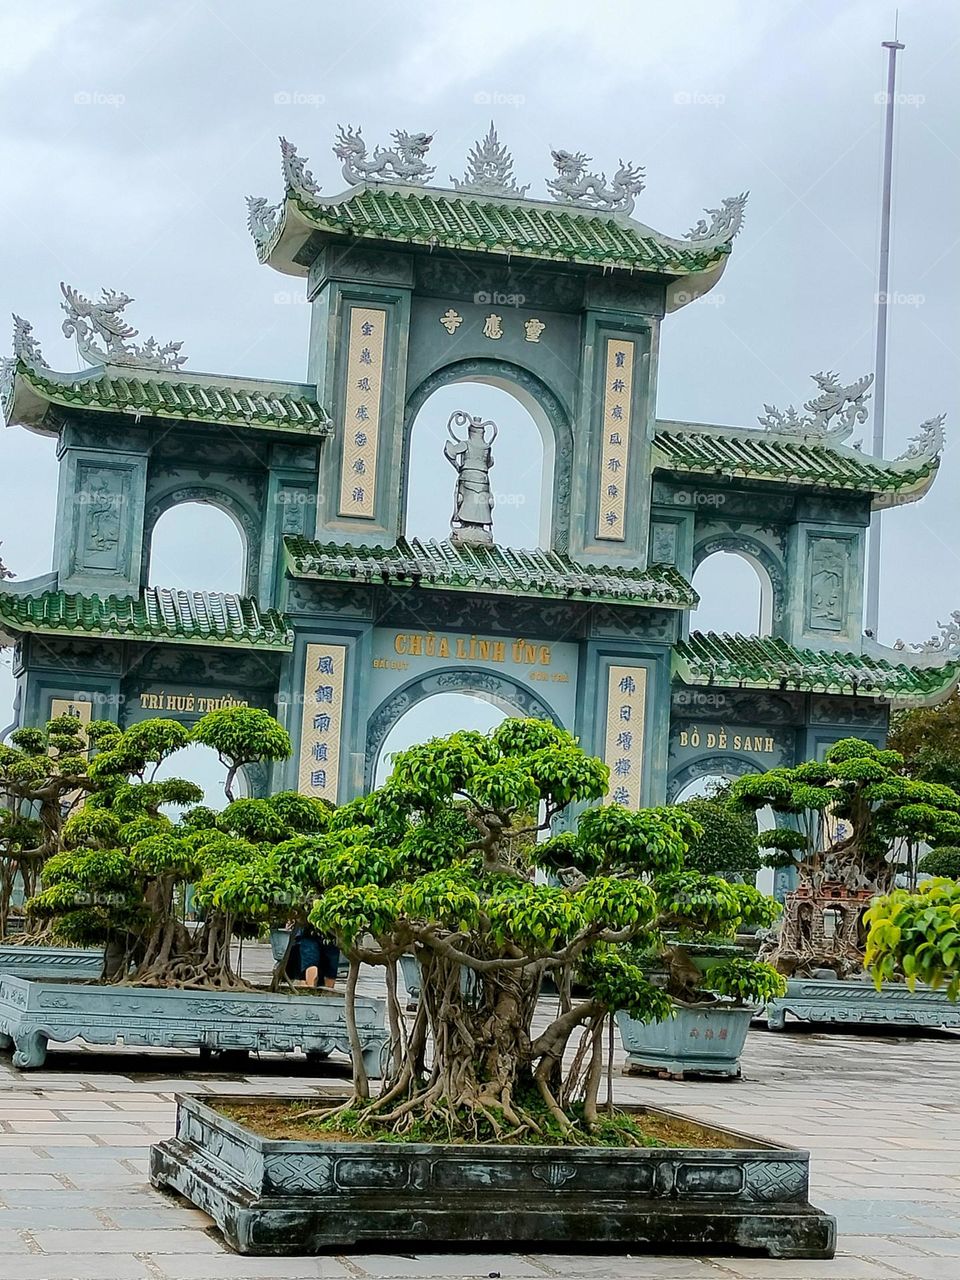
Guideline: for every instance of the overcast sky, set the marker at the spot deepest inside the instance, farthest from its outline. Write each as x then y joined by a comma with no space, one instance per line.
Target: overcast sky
129,136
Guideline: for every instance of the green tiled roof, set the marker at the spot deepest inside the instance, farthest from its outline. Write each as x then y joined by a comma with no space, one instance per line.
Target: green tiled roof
161,395
189,617
762,662
518,228
764,455
446,566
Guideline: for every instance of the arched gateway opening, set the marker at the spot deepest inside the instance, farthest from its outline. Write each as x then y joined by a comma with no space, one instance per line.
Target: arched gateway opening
197,546
533,453
517,478
434,717
441,702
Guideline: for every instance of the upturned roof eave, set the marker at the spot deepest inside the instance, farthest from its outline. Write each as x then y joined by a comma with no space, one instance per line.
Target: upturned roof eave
378,574
910,478
299,222
902,685
35,392
269,632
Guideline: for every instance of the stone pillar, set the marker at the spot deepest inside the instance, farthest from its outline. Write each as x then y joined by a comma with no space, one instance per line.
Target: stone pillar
358,356
610,507
98,543
826,559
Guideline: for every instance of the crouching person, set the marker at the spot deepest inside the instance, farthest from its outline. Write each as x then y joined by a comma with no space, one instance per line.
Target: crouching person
313,958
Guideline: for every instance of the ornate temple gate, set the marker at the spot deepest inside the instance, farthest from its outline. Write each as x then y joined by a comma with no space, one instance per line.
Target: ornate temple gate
344,623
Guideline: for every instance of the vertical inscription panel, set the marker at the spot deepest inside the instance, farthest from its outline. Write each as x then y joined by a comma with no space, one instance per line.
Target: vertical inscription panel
322,721
623,744
362,399
615,444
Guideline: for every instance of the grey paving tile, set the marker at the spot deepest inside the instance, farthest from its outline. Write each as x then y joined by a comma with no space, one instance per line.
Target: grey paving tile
232,1267
843,1267
42,1218
68,1267
443,1265
118,1240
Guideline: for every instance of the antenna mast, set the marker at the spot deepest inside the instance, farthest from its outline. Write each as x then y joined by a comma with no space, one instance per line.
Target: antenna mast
893,47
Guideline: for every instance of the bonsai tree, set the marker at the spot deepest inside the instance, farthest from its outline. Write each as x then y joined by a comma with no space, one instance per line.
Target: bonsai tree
852,819
44,777
125,862
442,862
849,824
727,843
918,935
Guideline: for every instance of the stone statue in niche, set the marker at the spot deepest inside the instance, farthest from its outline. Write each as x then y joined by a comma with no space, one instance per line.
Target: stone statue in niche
827,582
472,459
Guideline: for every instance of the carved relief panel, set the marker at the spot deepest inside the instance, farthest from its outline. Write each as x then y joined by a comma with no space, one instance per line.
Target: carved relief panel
828,560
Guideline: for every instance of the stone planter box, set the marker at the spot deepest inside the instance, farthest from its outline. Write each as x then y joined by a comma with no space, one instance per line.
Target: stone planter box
280,1197
52,962
831,1000
410,973
35,1012
703,1039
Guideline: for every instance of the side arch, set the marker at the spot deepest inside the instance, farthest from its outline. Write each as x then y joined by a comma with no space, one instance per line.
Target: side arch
726,766
770,570
245,517
543,405
501,690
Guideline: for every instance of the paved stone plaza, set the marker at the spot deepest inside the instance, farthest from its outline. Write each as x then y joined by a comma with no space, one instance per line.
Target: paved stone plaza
880,1115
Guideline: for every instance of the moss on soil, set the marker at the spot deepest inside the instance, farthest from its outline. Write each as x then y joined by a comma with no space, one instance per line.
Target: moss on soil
278,1119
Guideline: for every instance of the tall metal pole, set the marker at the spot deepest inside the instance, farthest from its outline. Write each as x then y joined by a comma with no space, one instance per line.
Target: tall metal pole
893,47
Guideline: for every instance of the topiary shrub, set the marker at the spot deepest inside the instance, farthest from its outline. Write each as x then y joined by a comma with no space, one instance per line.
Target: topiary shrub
944,861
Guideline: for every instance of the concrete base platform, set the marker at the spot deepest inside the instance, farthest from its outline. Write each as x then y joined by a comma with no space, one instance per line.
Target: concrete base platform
280,1198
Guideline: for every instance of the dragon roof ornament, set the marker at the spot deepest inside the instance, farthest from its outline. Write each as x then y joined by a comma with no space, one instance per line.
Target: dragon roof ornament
573,185
25,348
724,223
104,337
296,176
263,219
947,643
489,169
830,416
403,163
928,442
25,345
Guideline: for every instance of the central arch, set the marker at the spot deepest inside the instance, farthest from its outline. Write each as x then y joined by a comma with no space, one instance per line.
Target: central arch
501,690
546,410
